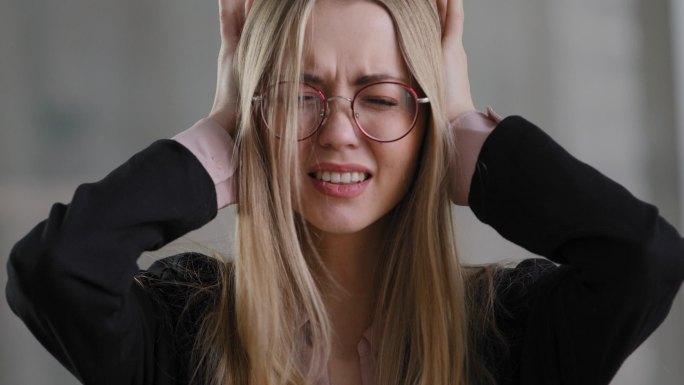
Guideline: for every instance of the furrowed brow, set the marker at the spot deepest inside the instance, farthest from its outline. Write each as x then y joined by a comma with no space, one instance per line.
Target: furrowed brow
360,81
367,79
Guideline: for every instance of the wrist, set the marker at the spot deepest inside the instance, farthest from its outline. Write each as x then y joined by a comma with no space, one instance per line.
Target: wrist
470,130
215,149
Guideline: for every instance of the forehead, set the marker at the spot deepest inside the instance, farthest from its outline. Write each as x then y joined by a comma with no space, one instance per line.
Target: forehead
347,39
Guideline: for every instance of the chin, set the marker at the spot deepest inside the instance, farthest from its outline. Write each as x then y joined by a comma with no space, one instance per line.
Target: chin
341,225
335,227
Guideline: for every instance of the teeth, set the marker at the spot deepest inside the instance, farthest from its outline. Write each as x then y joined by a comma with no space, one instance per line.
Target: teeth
341,177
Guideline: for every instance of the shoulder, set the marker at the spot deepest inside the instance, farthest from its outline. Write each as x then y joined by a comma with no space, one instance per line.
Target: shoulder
185,289
185,286
509,287
187,268
501,297
517,283
517,289
181,274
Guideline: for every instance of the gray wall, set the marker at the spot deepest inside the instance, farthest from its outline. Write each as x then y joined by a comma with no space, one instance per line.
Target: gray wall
85,84
677,27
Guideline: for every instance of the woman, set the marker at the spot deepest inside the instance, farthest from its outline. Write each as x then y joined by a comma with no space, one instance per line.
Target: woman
343,130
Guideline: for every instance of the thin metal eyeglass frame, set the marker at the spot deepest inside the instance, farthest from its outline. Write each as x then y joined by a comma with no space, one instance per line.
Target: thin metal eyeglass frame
326,108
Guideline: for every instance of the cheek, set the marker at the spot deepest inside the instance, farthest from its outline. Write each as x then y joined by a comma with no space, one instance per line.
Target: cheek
411,167
305,156
401,163
414,147
414,153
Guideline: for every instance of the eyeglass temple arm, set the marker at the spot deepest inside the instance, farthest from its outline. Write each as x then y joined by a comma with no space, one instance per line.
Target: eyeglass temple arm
423,100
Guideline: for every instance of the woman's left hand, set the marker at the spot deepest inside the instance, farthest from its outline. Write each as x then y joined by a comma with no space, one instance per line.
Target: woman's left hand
458,96
470,128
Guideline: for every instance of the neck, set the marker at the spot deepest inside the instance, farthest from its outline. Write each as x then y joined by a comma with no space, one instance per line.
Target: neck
352,260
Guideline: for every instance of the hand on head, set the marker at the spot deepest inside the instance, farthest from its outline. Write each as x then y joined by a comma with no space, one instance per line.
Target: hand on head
468,127
458,96
232,15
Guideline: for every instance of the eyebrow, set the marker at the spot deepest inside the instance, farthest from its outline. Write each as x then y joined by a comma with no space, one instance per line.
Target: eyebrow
360,81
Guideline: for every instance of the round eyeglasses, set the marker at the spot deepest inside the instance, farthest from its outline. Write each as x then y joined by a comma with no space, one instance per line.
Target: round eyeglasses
383,111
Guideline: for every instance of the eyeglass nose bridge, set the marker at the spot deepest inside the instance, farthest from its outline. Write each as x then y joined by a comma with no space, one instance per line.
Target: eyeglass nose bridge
328,109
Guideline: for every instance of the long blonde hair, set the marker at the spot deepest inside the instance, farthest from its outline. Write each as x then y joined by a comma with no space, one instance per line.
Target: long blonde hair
253,334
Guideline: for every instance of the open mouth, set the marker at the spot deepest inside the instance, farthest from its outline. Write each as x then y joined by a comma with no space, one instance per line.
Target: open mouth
340,177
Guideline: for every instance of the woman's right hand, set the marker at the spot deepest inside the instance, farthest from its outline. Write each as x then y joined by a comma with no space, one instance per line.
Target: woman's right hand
232,15
211,139
469,126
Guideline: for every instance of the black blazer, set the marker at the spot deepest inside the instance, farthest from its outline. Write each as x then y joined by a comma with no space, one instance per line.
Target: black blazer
617,265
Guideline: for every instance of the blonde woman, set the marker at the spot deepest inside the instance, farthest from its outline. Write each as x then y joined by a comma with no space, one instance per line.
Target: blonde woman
344,130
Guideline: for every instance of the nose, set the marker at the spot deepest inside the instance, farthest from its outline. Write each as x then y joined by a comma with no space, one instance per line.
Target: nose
339,127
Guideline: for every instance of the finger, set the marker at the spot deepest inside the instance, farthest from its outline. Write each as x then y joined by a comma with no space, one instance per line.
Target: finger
454,20
231,15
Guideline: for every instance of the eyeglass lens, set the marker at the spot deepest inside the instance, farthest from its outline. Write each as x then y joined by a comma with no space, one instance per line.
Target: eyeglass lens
383,111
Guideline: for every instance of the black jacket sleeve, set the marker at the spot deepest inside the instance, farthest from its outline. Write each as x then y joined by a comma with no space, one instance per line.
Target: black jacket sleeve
71,279
621,263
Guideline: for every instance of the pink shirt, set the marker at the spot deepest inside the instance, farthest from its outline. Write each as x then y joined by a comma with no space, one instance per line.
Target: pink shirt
215,149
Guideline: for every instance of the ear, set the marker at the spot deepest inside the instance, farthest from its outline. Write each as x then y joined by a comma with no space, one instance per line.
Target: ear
248,6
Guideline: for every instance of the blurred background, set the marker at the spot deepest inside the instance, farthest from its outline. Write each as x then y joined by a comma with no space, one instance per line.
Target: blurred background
84,84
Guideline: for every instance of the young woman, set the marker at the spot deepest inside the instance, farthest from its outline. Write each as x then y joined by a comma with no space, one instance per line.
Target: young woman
344,130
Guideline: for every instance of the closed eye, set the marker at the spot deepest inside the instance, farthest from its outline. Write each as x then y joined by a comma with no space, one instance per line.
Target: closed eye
379,102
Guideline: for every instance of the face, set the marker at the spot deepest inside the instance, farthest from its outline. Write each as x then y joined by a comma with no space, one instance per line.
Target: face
349,43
